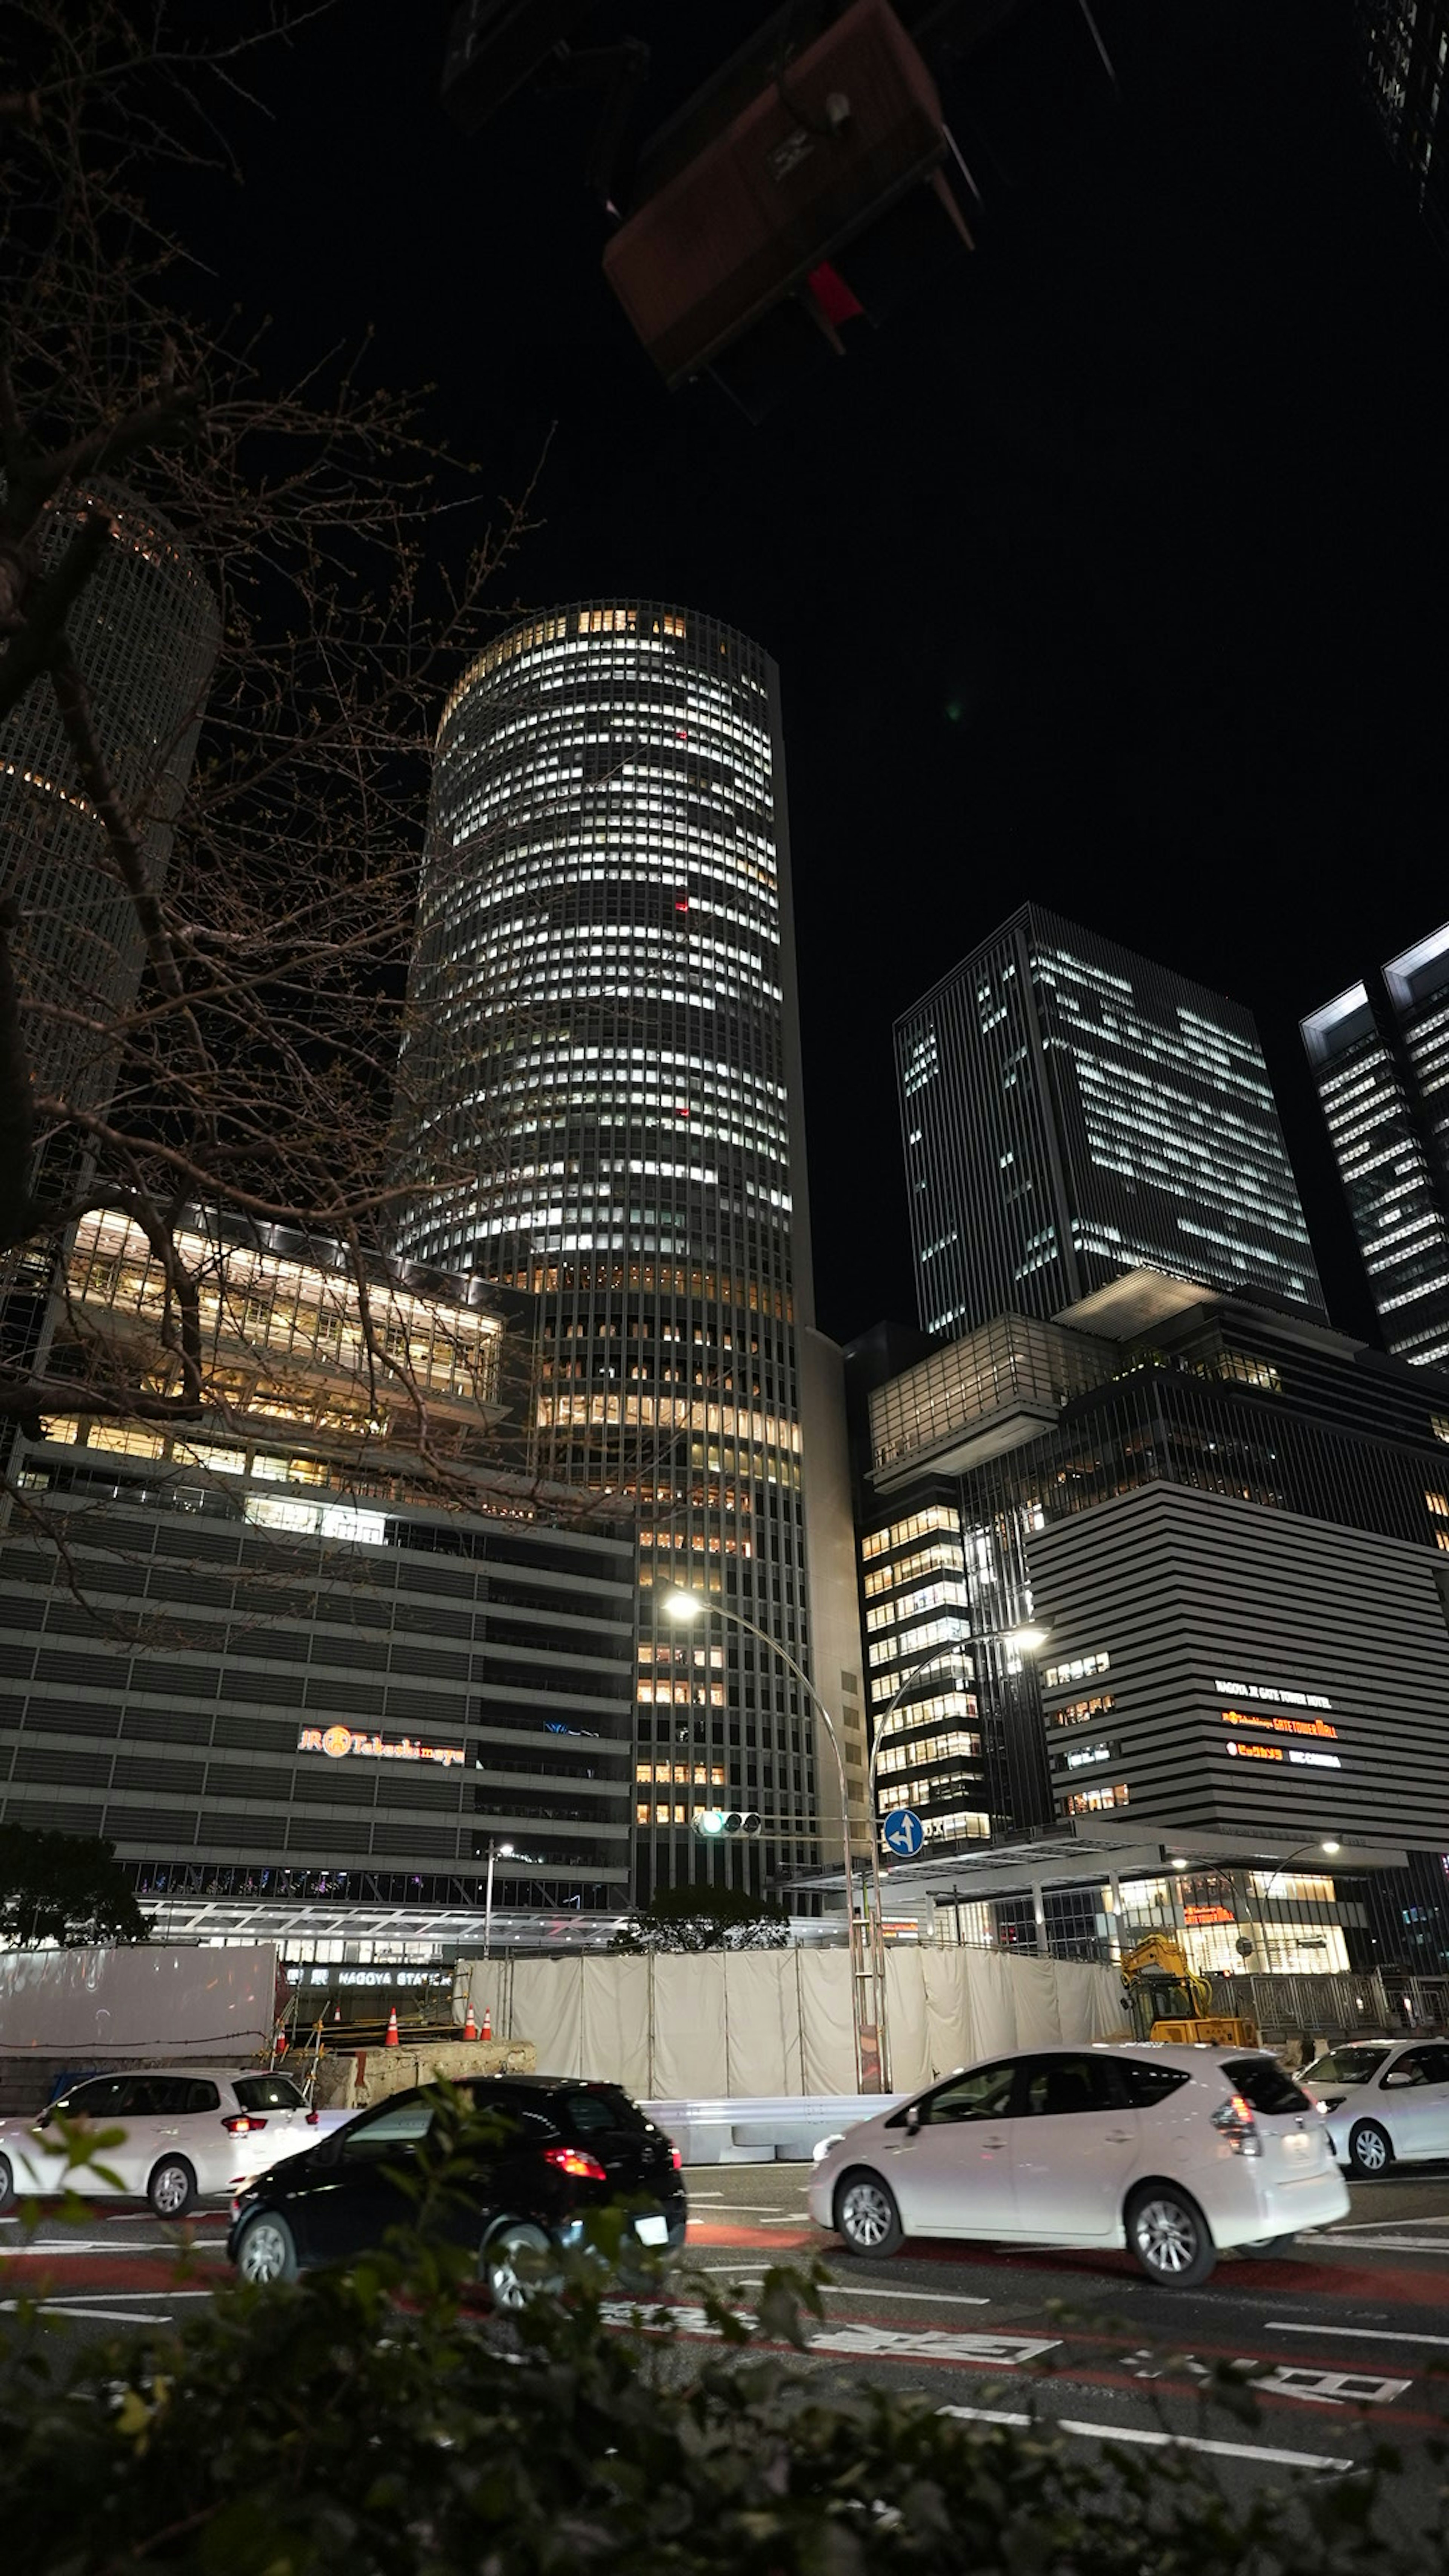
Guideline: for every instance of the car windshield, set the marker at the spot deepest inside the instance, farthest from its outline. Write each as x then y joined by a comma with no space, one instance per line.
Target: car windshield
1346,2066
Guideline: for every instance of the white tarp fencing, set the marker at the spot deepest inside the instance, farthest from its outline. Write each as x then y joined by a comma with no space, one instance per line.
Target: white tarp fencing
83,2006
758,2022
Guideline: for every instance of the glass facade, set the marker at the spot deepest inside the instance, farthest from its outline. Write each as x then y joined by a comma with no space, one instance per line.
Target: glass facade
1072,1111
1380,1060
597,1097
1222,1400
145,633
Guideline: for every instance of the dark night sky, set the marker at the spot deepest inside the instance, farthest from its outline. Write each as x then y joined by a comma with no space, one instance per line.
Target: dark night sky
1114,573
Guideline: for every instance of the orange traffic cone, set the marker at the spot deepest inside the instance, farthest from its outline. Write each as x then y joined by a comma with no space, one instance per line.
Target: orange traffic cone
470,2027
392,2040
487,2030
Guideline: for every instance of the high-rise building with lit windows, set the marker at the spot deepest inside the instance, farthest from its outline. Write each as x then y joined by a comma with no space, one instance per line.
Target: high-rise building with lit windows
1071,1112
599,1101
1380,1059
1403,49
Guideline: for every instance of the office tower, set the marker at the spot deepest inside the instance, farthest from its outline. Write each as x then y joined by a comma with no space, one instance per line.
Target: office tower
1231,1528
1072,1111
145,633
1380,1059
599,1100
318,1684
1403,48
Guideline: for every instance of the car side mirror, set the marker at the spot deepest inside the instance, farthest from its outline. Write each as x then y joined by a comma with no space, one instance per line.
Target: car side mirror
1397,2075
913,2119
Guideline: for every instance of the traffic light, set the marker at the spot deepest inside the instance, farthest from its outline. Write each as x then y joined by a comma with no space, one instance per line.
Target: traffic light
720,1824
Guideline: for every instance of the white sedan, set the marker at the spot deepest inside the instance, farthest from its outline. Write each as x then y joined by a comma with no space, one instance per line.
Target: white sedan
1386,2101
187,2132
1178,2153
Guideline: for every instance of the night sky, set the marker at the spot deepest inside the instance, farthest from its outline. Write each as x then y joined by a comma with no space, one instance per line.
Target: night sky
1114,572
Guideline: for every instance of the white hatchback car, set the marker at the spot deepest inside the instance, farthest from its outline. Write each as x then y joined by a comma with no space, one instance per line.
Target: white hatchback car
1386,2100
1178,2153
188,2131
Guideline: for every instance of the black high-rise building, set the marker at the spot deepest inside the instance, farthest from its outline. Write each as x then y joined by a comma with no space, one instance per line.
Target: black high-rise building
1404,61
1380,1058
1072,1111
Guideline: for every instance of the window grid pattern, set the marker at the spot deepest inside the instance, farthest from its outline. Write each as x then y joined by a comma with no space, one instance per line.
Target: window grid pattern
595,1103
1071,1111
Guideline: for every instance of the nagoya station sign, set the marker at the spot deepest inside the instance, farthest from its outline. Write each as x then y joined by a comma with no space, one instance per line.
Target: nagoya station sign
340,1741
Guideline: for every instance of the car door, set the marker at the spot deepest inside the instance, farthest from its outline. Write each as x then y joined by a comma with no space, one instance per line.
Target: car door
1412,2100
357,2190
1074,2142
947,2156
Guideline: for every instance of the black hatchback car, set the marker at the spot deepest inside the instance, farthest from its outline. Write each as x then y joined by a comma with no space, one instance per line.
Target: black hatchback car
549,2151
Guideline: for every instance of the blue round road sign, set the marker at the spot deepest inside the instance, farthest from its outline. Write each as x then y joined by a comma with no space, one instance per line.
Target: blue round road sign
903,1833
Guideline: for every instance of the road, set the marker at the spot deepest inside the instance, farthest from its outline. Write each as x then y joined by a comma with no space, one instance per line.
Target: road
1346,2334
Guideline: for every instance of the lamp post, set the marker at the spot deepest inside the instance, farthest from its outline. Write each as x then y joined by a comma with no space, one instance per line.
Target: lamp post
506,1850
1027,1639
685,1606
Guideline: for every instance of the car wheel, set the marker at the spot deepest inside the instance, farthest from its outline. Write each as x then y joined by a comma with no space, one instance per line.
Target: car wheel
267,2252
7,2182
866,2215
513,2265
171,2190
1169,2237
1370,2149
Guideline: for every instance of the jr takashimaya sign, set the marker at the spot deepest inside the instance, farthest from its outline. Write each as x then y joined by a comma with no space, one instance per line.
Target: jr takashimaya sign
339,1741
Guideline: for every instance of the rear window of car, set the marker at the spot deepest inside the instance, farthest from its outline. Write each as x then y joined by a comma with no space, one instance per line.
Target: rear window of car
268,2093
602,2107
1147,2085
1346,2066
1265,2087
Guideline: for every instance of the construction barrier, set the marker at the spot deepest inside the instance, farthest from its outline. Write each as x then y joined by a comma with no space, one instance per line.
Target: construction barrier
770,2023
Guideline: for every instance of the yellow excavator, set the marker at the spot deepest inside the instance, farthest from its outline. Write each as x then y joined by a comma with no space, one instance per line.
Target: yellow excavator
1167,2001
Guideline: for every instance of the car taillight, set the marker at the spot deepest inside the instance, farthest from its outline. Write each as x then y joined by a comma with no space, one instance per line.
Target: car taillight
572,2160
240,2122
1234,2121
676,2159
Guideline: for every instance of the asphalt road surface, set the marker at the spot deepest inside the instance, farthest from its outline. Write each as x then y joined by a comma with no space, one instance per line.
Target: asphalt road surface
1345,2335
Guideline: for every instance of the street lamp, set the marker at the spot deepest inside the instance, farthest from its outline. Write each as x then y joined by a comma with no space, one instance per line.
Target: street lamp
1025,1640
505,1851
682,1607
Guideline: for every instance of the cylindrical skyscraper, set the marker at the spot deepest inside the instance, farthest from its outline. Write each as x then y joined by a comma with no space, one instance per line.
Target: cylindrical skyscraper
599,1099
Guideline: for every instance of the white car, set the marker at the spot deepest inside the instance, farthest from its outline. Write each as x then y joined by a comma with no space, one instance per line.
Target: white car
188,2131
1178,2153
1386,2100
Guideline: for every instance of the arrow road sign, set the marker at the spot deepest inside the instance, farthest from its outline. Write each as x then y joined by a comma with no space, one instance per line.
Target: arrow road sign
902,1834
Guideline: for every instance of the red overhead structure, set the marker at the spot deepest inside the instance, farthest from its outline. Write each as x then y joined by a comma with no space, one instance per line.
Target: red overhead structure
770,204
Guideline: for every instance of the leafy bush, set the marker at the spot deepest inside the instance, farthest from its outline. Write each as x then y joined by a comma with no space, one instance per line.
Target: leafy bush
368,2420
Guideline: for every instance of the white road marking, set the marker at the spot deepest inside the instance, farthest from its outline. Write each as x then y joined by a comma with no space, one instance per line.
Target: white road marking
1367,2226
1402,2244
852,2342
1362,2334
1327,2387
1158,2441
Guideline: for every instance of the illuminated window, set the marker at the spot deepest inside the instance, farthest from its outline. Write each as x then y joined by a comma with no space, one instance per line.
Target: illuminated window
126,1443
1080,1669
1092,1802
938,1516
1077,1710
